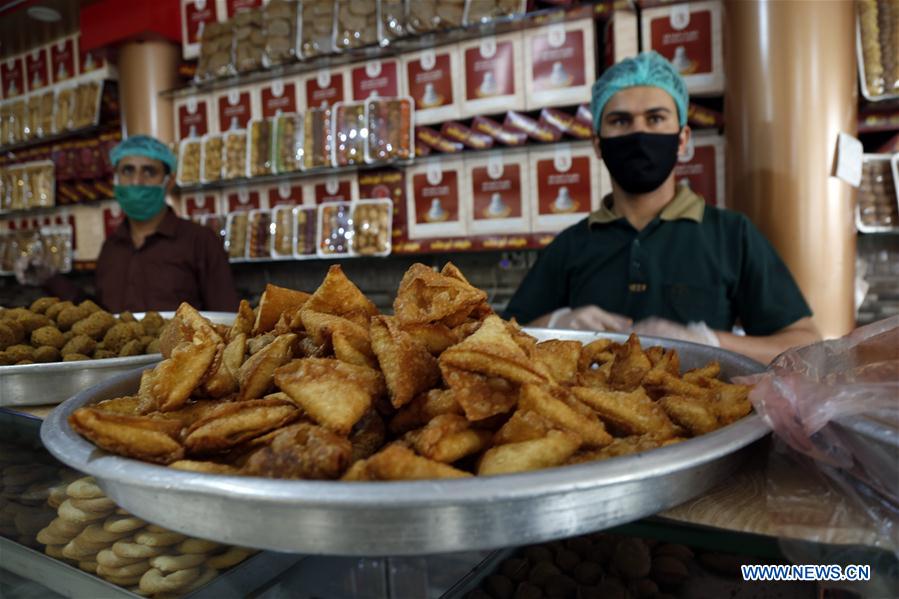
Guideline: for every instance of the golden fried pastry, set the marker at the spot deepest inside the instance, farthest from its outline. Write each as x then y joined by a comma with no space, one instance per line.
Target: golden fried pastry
256,376
40,305
368,436
158,539
338,296
89,306
127,316
694,415
425,296
303,451
173,563
434,336
552,450
95,325
275,302
631,413
141,437
480,396
207,467
48,336
108,559
423,408
396,462
244,321
101,354
448,438
225,379
84,488
8,336
233,423
630,366
230,558
565,412
120,405
560,358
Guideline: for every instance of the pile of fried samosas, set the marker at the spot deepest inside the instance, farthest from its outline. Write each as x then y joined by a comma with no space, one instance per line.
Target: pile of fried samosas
322,386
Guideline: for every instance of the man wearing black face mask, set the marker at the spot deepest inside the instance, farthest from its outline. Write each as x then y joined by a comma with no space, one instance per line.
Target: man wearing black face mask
655,253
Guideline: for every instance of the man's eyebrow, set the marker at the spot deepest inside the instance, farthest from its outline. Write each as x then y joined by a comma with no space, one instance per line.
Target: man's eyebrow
657,109
618,113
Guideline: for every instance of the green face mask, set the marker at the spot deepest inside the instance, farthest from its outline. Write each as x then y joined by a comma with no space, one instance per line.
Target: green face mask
140,202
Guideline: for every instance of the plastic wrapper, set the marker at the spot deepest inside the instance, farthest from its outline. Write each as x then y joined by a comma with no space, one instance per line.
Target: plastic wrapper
431,138
18,197
483,11
432,15
878,22
279,22
249,41
259,148
40,185
282,232
45,120
18,114
468,137
833,404
259,235
356,23
65,109
234,156
236,235
216,51
878,203
504,135
87,104
389,129
32,117
335,228
4,124
288,143
393,20
57,247
538,131
317,28
190,152
211,158
566,123
349,133
317,137
6,184
305,223
372,227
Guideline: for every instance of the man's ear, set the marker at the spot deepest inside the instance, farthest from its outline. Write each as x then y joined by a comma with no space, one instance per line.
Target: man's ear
596,146
684,140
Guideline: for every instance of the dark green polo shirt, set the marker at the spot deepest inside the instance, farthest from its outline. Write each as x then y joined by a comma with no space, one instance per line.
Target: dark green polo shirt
693,262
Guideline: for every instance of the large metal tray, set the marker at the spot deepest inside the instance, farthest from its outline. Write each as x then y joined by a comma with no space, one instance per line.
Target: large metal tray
404,518
47,384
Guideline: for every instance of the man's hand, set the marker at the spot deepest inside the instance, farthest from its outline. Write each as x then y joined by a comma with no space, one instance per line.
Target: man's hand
585,318
696,332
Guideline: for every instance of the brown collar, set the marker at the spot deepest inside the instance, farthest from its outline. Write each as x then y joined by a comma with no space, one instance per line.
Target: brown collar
685,204
167,227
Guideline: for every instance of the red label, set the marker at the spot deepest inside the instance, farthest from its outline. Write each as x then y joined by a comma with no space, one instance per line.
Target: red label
203,204
558,63
62,60
272,104
198,120
327,191
432,87
700,173
236,6
563,192
36,65
236,113
196,18
13,72
498,197
239,202
293,196
374,79
113,216
318,95
89,61
436,203
490,76
689,48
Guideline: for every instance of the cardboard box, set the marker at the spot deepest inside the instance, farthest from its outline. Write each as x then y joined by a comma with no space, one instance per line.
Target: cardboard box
277,97
195,14
235,108
37,68
498,189
288,193
232,7
702,168
432,80
341,188
64,59
492,74
387,183
436,202
324,88
689,35
12,73
566,185
240,199
201,203
376,78
195,116
94,62
622,38
559,64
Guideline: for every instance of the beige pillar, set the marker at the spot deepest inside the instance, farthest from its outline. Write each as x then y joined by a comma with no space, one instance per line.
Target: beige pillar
145,69
791,88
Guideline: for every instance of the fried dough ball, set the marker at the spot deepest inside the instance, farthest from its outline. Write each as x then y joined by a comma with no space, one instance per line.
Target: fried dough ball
79,344
29,320
117,336
153,347
95,325
40,305
23,362
153,323
49,336
127,316
17,329
137,330
100,354
47,354
69,317
53,311
17,353
146,340
132,348
7,335
75,357
89,306
4,359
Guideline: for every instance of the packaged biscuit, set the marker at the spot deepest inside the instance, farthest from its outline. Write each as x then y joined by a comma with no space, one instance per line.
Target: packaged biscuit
87,104
348,133
433,139
283,231
194,117
279,22
389,129
425,16
235,108
502,134
356,24
393,20
65,109
57,247
566,123
436,202
316,28
468,137
259,235
40,180
249,41
536,130
559,65
335,228
4,124
18,114
499,189
878,48
372,222
32,117
433,82
259,148
305,222
212,150
216,52
234,154
567,186
878,195
484,11
317,136
492,69
190,152
196,15
236,226
287,148
46,113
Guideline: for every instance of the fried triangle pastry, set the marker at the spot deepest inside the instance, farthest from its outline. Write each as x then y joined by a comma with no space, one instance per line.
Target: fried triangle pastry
301,451
350,341
398,462
224,381
424,407
274,303
632,413
449,438
256,375
552,450
434,336
233,423
244,321
408,367
141,437
565,412
338,296
425,296
480,396
630,365
560,358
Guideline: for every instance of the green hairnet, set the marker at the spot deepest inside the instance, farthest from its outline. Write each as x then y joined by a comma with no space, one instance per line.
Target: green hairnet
646,69
144,145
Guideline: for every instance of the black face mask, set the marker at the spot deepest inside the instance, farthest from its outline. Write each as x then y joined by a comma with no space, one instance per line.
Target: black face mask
640,162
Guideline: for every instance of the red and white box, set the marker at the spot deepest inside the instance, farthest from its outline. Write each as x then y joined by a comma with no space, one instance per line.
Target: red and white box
232,7
376,78
288,193
12,74
321,190
432,80
195,116
278,96
93,61
689,35
235,108
201,203
492,75
621,37
566,186
701,168
63,59
324,88
195,15
559,64
37,68
499,190
240,199
437,203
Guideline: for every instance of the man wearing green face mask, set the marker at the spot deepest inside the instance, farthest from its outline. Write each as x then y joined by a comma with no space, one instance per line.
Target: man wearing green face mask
155,260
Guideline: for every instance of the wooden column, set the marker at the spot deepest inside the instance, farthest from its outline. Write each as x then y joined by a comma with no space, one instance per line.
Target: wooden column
145,69
791,88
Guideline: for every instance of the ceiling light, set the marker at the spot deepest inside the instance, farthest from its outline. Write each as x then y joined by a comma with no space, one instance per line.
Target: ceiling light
44,14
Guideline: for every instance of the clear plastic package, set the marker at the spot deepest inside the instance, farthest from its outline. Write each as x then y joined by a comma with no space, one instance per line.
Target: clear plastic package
288,143
216,52
335,229
878,48
4,124
57,247
87,104
425,16
283,231
249,41
372,227
190,152
259,148
40,184
19,185
32,117
356,24
47,107
878,198
317,137
317,28
236,235
305,223
389,129
393,20
279,23
483,11
17,115
234,157
259,235
211,157
65,109
349,133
